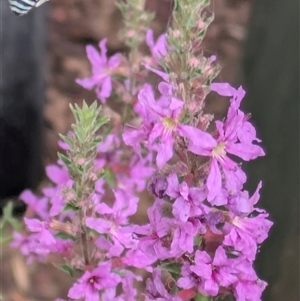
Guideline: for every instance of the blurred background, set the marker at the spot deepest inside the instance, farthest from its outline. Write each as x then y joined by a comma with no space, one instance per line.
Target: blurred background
42,53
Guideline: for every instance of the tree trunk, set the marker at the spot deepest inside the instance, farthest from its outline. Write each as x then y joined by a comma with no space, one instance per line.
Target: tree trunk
271,69
22,94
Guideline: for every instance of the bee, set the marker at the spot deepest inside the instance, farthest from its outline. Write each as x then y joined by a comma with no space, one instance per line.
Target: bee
22,7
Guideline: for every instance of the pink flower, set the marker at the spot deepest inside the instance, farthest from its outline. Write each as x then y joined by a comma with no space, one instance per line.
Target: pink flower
247,232
248,287
155,235
102,70
139,169
155,289
157,185
36,204
91,283
59,176
43,230
183,237
231,139
164,124
208,274
188,201
139,259
112,221
129,292
241,204
245,290
30,246
158,48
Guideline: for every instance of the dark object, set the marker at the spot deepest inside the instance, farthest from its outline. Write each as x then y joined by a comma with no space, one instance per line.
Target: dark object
158,185
22,93
22,7
271,68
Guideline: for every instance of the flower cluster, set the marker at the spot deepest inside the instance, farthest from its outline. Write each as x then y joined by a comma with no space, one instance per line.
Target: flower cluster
204,229
208,224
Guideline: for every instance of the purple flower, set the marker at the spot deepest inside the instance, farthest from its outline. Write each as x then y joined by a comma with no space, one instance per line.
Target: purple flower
183,237
228,141
57,202
42,228
158,185
37,205
164,124
188,201
139,259
248,287
92,282
212,219
188,279
155,241
112,221
129,292
58,174
134,136
241,204
223,89
156,291
247,232
236,125
102,68
163,75
64,248
157,49
246,290
109,295
208,274
30,246
111,142
22,242
139,169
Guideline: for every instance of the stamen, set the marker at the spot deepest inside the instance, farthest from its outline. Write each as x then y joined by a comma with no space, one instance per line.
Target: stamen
169,123
219,150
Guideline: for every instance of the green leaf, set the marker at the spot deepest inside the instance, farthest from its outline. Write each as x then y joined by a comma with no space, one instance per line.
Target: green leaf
66,268
2,223
5,240
8,218
110,177
7,211
79,132
16,224
176,5
67,139
197,240
101,174
64,158
101,121
173,268
202,298
74,171
70,207
65,236
75,114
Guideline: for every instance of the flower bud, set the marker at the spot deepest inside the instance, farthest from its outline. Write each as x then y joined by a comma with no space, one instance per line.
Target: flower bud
158,185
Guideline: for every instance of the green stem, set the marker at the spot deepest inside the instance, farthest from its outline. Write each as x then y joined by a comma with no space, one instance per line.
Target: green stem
83,239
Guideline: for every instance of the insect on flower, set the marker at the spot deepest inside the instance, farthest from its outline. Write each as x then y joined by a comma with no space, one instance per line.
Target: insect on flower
22,7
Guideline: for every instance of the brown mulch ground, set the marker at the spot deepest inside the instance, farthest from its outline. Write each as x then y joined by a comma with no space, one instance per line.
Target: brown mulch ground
72,25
